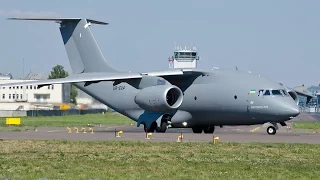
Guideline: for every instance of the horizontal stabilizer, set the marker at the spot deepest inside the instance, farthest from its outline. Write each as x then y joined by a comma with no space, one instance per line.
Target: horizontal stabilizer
59,20
77,78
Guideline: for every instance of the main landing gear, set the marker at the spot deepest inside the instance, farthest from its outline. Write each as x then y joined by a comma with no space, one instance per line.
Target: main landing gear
272,130
206,130
162,129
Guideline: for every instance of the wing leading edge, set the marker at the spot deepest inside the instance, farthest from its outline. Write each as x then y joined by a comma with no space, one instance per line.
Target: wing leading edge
175,72
76,78
90,78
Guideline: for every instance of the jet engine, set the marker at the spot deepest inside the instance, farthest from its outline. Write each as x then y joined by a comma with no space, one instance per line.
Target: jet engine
162,98
294,96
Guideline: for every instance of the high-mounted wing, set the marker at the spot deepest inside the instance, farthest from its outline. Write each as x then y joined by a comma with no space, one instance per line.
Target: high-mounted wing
182,78
175,72
89,78
75,78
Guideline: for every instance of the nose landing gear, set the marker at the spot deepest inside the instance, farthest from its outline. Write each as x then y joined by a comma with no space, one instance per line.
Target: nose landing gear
272,130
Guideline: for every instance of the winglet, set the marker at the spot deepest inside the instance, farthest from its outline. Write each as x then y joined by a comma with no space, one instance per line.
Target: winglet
59,20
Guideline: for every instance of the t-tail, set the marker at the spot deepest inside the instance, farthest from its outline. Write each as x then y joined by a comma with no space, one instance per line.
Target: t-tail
83,51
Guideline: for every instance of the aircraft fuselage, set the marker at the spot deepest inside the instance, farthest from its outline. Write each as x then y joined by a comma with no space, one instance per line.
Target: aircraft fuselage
188,98
219,97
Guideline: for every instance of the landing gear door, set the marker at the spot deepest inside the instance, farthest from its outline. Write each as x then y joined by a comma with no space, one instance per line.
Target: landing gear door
249,103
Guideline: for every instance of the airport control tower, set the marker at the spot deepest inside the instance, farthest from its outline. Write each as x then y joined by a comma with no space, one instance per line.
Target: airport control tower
184,58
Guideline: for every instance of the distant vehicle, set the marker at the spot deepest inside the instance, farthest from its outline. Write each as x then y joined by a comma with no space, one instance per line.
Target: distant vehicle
178,98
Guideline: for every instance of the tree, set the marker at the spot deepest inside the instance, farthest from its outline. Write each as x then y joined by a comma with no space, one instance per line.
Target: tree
73,94
59,72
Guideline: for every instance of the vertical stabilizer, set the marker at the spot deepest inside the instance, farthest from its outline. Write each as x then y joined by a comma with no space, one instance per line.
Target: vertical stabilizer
83,51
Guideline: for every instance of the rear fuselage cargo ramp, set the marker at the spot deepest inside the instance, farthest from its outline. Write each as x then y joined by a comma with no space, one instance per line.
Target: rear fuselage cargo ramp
177,98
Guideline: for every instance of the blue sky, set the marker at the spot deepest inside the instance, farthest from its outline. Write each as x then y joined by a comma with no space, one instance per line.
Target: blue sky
278,39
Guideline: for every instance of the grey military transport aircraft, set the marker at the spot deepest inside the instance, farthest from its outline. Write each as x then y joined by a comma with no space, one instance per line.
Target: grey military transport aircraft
178,98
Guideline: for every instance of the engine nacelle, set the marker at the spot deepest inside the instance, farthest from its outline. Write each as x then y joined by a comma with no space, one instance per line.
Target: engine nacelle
162,98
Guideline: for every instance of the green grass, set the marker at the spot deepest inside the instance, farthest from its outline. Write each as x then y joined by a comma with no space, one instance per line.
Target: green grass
27,159
71,120
307,125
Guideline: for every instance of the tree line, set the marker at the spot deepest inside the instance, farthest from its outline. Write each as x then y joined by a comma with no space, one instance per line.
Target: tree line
58,71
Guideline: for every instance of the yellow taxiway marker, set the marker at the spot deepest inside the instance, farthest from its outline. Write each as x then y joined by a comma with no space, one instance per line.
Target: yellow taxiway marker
119,133
180,138
215,140
91,129
69,130
148,135
13,121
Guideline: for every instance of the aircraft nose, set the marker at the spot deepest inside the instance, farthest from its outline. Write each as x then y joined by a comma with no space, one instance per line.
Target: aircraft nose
294,111
291,110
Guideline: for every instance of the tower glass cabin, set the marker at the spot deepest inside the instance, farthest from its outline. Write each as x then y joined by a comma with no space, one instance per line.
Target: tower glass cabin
184,58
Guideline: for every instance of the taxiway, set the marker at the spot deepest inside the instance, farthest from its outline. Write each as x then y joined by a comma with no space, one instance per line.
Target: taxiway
133,133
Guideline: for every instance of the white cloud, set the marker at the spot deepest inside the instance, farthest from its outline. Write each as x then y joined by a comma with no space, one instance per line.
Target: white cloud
19,13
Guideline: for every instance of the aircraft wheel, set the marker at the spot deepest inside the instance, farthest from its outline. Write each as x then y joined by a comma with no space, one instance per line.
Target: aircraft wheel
197,130
209,130
271,130
163,127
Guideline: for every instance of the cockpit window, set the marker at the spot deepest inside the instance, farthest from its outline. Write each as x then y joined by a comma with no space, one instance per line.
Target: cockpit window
285,92
266,93
276,92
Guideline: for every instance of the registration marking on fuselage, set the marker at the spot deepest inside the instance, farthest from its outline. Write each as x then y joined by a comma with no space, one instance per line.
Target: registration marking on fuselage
259,107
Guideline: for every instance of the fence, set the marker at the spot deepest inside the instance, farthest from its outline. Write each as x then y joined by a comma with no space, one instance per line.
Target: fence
63,112
11,113
50,112
310,109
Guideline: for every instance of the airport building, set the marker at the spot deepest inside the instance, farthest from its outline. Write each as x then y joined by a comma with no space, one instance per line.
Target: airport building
183,58
30,97
314,104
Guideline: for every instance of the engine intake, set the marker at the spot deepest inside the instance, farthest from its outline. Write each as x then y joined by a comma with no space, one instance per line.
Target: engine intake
160,98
